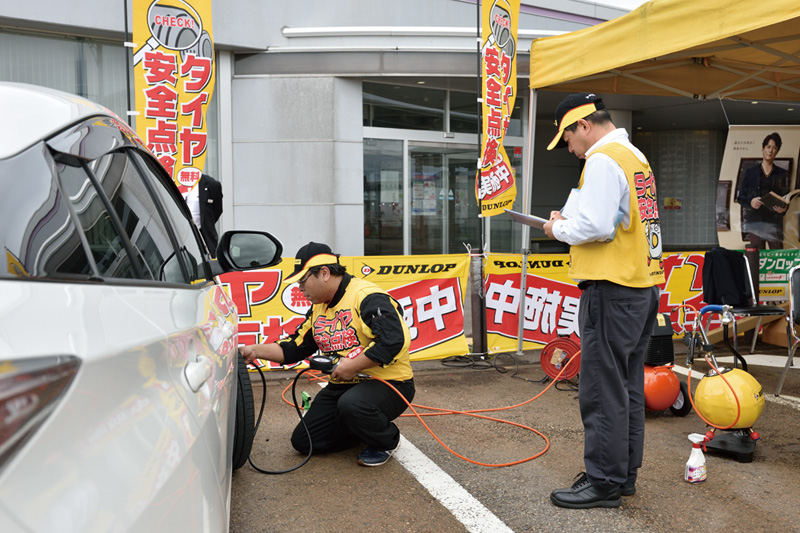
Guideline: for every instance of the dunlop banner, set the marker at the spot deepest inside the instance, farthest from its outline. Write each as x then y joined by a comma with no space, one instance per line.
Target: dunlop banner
773,273
173,67
431,289
552,299
495,188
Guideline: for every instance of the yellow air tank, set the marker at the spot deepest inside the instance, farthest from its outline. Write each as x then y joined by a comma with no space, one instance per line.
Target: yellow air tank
714,399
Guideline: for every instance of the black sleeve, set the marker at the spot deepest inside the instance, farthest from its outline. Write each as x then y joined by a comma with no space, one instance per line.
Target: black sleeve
215,191
379,313
300,344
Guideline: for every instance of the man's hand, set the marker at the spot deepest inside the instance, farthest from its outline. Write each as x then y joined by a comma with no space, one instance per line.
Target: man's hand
249,352
548,227
348,369
345,370
756,202
270,352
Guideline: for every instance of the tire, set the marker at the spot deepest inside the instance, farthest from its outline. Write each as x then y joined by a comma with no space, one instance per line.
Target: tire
243,432
682,405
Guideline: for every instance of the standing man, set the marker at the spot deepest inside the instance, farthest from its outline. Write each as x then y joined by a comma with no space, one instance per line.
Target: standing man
205,203
763,224
356,322
611,224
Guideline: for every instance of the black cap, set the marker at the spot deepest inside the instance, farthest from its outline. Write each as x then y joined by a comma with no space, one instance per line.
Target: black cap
570,110
311,255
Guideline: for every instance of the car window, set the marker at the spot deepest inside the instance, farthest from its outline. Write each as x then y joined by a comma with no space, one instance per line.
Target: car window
104,241
60,226
142,220
176,211
38,237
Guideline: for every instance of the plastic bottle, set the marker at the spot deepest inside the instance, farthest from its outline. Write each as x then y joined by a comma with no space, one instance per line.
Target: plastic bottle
696,465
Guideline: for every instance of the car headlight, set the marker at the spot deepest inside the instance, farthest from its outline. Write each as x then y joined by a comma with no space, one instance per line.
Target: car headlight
29,390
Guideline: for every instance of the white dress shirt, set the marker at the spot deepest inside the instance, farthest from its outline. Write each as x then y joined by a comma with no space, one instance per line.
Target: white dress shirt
604,194
193,201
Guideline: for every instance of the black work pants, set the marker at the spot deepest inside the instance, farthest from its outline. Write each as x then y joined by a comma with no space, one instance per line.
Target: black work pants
341,416
616,323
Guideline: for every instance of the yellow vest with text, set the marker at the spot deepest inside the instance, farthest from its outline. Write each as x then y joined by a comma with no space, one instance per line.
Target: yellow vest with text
340,329
633,258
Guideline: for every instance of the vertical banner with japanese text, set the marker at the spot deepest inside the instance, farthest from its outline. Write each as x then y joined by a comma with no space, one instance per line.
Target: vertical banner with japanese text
173,64
431,289
552,299
495,188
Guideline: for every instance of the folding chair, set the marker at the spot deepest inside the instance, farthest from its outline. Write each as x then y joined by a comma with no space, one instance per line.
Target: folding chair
791,321
727,281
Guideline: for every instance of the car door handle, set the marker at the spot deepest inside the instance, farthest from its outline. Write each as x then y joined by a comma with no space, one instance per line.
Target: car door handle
198,372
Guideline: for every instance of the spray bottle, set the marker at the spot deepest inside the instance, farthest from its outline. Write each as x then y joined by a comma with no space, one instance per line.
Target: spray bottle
696,465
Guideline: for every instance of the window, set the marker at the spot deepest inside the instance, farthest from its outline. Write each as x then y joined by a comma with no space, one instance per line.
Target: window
105,243
37,233
383,197
411,108
439,184
186,234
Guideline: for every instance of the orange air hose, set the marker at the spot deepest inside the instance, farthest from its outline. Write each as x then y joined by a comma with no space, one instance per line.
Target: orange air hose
317,376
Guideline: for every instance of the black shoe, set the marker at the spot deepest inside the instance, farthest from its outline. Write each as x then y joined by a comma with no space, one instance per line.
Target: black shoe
583,495
628,490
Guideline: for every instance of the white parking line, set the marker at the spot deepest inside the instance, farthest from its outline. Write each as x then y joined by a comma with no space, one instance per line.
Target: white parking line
468,510
453,497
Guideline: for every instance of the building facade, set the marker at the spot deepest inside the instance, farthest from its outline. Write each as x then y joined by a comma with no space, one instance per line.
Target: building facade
352,123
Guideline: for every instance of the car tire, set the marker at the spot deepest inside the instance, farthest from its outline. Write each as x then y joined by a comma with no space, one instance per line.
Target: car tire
244,430
682,405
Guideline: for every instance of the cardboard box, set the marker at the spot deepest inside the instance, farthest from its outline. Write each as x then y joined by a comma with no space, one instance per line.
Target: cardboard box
775,333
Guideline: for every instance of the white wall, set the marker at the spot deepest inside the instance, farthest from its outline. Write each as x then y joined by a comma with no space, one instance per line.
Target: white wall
297,160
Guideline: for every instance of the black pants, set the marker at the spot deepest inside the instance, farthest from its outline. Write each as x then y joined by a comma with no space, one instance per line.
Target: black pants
341,416
616,323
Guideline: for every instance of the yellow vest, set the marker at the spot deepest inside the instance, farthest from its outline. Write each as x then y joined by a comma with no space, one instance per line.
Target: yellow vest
339,329
633,257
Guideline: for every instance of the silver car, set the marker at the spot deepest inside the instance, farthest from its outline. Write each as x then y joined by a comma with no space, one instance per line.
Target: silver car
119,368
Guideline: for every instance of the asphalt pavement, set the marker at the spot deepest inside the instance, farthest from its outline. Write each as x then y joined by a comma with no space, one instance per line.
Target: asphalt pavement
427,488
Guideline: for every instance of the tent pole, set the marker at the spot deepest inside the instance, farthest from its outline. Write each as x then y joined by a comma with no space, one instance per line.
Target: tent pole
527,170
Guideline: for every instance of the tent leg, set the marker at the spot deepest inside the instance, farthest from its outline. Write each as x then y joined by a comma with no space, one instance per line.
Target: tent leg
527,171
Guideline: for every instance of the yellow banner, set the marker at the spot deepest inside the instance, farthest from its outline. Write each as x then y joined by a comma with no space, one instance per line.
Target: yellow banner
552,299
494,186
431,289
173,67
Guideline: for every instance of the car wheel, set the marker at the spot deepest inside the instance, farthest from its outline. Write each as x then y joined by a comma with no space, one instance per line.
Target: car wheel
244,431
682,405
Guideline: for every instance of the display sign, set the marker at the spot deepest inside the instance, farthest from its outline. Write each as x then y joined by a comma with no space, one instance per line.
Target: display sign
552,299
495,187
173,66
773,273
431,289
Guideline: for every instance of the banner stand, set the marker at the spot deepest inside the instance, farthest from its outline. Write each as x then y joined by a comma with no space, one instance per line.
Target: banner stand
479,342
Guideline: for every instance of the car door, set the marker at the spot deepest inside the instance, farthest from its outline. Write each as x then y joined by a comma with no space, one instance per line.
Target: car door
204,341
157,438
196,318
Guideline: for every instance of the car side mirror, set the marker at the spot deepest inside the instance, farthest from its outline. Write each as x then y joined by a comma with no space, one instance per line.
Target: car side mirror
246,250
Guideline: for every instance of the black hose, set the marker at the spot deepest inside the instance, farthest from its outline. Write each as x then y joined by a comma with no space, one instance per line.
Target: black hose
299,413
733,350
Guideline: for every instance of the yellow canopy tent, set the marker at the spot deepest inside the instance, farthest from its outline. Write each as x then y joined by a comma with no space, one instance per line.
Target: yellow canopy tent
701,49
743,49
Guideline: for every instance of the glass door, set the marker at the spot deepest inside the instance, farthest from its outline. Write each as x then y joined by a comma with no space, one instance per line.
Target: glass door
444,212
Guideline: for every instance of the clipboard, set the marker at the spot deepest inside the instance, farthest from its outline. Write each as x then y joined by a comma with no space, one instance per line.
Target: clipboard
529,220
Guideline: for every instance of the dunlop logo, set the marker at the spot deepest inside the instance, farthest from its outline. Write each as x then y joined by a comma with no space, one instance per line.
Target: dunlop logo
415,269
